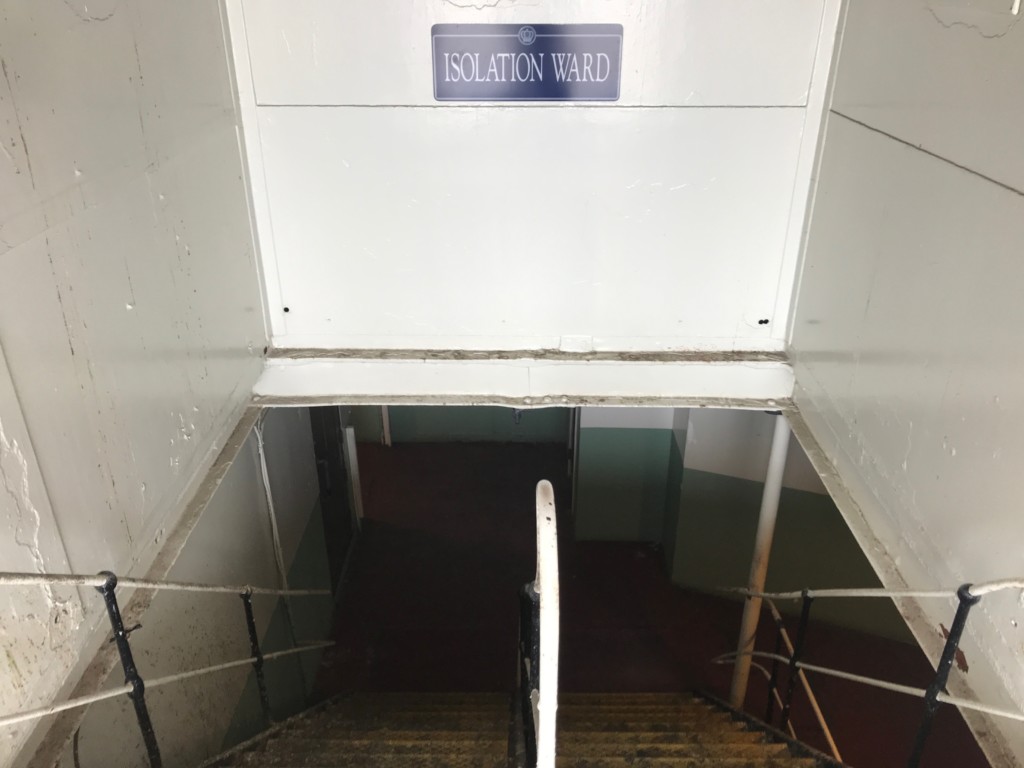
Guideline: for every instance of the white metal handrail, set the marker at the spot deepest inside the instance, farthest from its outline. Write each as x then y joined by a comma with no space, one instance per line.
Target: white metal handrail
546,585
16,579
113,693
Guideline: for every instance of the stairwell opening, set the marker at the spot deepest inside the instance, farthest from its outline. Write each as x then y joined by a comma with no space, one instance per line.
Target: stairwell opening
656,510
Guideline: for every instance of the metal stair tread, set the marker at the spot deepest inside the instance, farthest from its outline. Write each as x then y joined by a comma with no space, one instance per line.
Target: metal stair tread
787,761
472,731
652,726
674,750
738,736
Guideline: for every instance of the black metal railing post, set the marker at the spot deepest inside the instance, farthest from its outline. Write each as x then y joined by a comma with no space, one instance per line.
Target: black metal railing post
938,685
131,673
257,656
529,666
798,649
773,679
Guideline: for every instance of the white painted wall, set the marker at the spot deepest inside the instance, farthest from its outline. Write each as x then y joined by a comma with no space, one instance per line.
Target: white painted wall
627,418
231,544
36,624
907,328
130,317
737,443
660,222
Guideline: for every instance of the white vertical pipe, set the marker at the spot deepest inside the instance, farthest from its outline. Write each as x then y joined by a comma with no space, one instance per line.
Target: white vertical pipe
759,562
385,425
355,486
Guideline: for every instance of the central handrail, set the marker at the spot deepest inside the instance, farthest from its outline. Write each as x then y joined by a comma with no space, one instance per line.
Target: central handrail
546,585
538,640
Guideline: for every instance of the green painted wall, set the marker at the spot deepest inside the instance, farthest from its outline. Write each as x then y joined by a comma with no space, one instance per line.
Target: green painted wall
673,499
366,421
622,487
290,680
471,424
812,547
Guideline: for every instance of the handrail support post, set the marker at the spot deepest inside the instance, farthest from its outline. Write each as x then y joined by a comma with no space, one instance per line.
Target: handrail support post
131,672
773,678
938,684
794,659
257,656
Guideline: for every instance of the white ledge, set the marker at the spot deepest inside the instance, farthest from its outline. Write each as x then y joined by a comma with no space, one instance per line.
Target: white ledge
725,380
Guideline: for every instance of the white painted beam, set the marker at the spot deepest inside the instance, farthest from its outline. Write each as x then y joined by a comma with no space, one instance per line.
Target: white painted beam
525,382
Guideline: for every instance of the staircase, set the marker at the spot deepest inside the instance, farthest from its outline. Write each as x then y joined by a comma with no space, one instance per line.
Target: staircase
647,730
420,730
469,730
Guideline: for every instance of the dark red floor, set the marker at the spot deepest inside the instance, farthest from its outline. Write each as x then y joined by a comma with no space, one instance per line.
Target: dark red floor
431,604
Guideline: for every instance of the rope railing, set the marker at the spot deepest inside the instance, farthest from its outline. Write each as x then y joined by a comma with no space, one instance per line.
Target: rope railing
874,682
15,579
134,686
976,590
113,693
967,595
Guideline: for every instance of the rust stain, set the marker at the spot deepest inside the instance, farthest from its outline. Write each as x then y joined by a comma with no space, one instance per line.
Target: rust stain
961,658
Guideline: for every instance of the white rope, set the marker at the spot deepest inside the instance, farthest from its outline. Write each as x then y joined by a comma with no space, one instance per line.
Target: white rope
156,682
82,701
977,590
884,685
956,701
113,693
867,592
15,579
987,587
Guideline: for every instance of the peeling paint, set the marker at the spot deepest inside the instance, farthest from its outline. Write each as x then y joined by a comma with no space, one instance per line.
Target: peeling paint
480,5
14,476
84,476
985,23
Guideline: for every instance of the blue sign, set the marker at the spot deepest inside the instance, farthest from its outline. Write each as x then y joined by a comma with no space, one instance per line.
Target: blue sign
516,62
